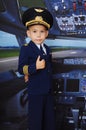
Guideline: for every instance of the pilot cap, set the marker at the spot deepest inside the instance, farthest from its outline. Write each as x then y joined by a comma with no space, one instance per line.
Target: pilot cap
37,15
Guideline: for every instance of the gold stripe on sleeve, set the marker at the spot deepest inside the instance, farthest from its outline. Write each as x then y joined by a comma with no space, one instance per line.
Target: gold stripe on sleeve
25,69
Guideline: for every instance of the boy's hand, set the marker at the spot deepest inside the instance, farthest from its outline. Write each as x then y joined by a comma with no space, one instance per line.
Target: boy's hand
26,78
40,64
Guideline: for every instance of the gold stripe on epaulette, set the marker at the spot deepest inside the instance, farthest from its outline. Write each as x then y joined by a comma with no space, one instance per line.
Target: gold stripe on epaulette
26,44
25,69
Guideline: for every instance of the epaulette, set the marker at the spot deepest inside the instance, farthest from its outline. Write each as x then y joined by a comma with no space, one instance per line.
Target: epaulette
26,44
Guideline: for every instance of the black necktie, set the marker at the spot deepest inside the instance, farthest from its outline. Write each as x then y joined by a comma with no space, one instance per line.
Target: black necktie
41,49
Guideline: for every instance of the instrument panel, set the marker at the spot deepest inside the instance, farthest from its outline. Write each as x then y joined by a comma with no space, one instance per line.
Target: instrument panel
69,79
69,17
74,81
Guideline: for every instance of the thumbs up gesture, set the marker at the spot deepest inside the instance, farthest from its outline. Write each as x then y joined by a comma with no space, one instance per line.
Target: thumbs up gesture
40,64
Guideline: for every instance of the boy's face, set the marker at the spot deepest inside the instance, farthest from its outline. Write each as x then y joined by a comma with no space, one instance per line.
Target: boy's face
37,33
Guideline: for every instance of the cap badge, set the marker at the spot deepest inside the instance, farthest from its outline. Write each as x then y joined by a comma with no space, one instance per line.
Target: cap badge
39,10
38,18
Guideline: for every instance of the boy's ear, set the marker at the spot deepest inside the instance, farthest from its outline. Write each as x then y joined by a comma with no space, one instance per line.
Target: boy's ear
28,33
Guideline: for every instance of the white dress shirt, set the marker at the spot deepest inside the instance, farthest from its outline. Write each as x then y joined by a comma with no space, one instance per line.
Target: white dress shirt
44,49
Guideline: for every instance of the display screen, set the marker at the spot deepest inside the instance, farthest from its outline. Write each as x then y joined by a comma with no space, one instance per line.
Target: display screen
72,85
75,61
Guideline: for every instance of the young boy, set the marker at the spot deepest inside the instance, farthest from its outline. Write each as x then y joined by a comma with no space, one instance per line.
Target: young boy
35,64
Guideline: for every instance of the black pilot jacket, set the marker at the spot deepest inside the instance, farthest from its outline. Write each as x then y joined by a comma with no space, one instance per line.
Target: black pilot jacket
40,81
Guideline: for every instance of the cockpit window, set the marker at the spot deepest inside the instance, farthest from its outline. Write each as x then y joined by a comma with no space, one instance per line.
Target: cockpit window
8,40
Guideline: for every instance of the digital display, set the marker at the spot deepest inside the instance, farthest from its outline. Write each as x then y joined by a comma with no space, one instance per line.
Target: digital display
75,61
72,85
